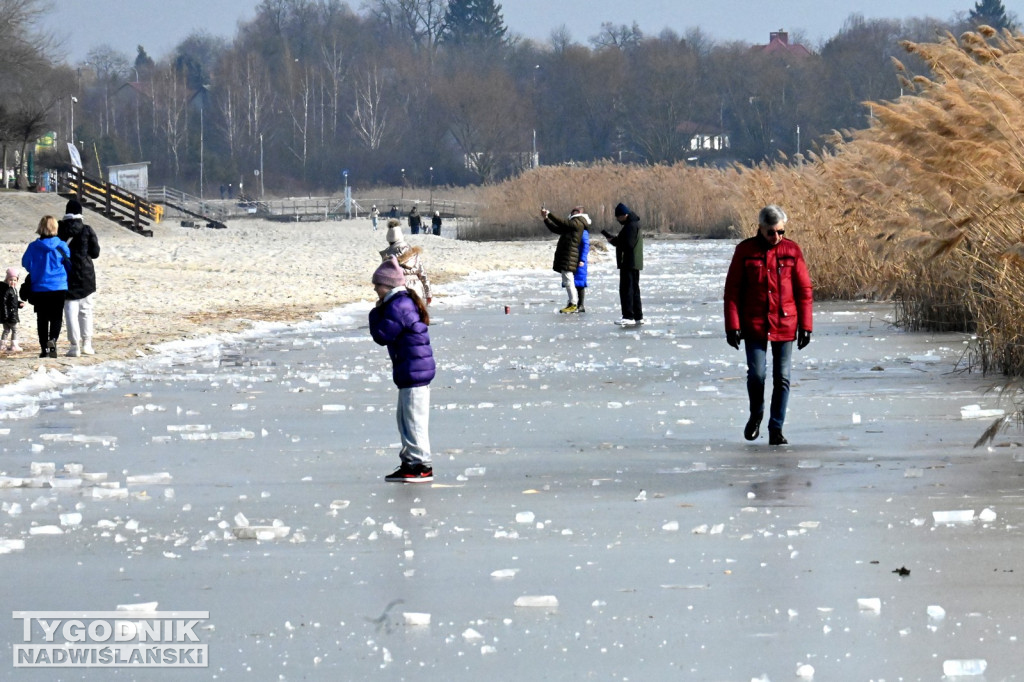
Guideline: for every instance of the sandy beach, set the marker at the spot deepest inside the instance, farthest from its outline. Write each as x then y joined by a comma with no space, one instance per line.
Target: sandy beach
189,282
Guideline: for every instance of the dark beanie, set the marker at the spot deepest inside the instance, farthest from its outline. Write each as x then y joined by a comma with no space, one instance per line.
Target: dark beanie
622,209
73,207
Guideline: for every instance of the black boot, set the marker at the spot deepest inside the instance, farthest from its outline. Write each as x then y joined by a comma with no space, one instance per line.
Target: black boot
580,291
753,428
775,437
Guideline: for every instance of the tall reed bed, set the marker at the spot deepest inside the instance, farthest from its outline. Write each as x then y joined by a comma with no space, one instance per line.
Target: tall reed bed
669,199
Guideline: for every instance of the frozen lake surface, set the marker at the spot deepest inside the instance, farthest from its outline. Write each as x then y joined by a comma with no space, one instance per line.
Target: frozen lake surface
598,472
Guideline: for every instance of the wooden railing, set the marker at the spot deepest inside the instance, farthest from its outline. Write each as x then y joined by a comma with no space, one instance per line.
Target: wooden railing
113,202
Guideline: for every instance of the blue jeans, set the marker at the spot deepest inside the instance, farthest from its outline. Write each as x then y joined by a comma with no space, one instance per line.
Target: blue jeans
757,355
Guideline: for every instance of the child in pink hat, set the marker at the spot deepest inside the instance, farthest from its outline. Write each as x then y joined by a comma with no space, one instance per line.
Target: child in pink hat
399,321
9,312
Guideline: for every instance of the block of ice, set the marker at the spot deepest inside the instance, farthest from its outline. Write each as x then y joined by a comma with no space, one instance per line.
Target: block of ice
416,619
545,601
954,516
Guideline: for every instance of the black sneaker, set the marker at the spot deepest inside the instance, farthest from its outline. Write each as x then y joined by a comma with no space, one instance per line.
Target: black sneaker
775,437
753,428
51,349
411,473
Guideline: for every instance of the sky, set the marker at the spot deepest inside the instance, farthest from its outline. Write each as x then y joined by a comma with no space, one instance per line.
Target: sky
160,25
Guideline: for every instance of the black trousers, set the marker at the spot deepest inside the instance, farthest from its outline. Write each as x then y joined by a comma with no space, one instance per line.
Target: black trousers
49,306
629,295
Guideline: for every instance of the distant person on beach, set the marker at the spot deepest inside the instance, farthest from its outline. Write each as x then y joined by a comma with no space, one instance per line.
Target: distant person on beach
768,299
399,321
393,213
435,223
374,215
415,221
629,258
85,248
409,258
9,314
567,250
46,260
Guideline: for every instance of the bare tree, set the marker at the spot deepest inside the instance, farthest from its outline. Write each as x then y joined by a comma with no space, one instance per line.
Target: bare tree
28,122
621,37
370,116
422,21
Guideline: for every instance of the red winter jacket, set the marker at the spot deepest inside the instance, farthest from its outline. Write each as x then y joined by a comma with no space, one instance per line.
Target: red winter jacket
768,290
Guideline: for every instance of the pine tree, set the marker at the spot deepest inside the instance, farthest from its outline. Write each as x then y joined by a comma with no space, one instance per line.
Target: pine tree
474,22
991,13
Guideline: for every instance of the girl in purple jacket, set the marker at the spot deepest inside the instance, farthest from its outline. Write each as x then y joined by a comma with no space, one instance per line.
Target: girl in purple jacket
399,321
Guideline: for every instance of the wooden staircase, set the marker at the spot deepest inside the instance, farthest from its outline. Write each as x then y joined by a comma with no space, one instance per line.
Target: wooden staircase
115,203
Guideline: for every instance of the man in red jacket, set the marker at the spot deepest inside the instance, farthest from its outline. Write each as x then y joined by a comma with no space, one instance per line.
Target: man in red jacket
768,299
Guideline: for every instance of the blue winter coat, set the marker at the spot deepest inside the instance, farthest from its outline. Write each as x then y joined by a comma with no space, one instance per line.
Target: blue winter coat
580,279
44,259
396,323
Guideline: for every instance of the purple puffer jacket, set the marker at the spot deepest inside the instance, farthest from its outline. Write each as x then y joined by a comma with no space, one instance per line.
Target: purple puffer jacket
396,323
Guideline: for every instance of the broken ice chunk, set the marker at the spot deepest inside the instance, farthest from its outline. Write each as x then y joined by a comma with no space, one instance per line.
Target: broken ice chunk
525,517
987,515
964,666
71,519
416,619
936,612
503,573
161,478
975,412
546,601
956,516
45,530
141,606
870,604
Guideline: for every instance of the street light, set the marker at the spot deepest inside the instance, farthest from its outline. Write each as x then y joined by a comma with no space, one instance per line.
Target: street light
403,185
72,135
431,190
261,166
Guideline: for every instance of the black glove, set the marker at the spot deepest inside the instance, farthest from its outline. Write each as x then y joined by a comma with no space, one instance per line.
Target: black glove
732,337
803,337
607,234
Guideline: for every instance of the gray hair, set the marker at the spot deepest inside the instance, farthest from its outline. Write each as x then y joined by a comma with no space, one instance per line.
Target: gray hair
771,215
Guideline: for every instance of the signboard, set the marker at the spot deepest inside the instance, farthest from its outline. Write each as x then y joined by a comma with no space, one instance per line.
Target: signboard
133,177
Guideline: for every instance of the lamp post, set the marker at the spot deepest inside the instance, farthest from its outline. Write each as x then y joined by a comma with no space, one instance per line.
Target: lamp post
201,144
261,166
72,135
403,185
431,190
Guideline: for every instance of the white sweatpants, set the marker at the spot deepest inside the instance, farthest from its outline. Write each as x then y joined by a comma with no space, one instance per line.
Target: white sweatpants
413,424
568,281
78,318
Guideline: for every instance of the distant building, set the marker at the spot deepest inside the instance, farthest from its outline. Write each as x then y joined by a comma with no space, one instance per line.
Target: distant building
778,43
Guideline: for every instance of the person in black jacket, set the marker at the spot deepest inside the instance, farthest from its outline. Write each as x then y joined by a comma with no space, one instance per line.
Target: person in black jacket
85,247
629,256
415,221
567,250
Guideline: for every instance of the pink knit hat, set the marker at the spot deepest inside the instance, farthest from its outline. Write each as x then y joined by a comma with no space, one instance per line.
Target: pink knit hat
12,273
389,274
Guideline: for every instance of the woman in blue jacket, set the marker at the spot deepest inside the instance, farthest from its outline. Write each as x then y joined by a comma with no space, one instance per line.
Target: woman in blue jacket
46,260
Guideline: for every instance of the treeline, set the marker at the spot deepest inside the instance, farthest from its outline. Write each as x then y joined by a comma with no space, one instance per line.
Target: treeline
436,92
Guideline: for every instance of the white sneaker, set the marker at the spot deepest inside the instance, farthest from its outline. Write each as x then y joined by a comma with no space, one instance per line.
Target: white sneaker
73,352
87,349
625,322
